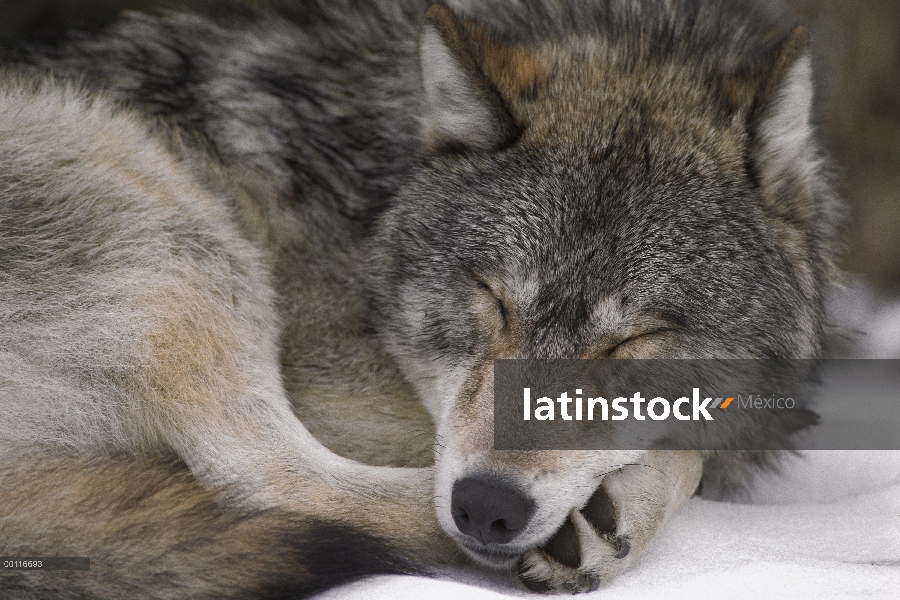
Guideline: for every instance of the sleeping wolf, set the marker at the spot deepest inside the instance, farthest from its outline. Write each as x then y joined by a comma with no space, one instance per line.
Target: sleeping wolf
254,265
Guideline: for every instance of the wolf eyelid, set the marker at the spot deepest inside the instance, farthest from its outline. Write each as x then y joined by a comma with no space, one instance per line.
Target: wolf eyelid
503,313
501,307
638,336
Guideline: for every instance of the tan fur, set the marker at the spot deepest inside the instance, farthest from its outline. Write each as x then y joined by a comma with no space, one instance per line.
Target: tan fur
199,345
120,499
194,314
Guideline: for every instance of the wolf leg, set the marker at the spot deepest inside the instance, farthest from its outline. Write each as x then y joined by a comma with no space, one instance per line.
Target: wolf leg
137,319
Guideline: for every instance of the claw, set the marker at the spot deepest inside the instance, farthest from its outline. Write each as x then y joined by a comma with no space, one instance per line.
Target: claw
622,546
535,585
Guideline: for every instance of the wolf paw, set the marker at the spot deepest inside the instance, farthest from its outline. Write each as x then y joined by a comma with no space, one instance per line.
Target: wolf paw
600,540
586,551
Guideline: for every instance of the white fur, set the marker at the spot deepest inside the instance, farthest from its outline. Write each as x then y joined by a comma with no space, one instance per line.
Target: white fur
786,132
457,111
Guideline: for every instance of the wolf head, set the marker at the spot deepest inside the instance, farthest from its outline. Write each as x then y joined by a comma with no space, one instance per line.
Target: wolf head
620,185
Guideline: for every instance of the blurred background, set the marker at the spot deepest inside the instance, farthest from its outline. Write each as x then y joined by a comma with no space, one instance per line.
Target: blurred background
858,41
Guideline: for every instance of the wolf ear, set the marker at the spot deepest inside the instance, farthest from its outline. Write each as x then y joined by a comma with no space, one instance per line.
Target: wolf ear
780,121
463,109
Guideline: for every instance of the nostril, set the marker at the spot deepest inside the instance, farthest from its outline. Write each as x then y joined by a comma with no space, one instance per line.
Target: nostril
490,510
501,525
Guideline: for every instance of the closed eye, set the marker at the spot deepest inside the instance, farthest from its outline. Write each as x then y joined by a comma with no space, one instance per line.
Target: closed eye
647,336
497,304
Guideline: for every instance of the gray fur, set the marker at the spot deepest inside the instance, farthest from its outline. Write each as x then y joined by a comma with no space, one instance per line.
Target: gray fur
346,211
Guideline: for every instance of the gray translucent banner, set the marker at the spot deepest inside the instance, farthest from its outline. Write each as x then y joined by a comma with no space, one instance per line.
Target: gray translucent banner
697,404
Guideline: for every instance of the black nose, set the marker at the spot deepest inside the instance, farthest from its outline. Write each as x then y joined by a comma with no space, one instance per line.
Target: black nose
491,511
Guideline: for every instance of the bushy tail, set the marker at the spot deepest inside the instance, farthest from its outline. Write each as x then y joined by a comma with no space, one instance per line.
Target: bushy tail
151,531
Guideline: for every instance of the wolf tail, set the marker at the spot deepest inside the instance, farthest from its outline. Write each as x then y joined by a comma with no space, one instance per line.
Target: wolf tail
147,526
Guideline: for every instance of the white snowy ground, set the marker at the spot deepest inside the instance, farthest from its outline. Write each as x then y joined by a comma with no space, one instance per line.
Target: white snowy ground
827,527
